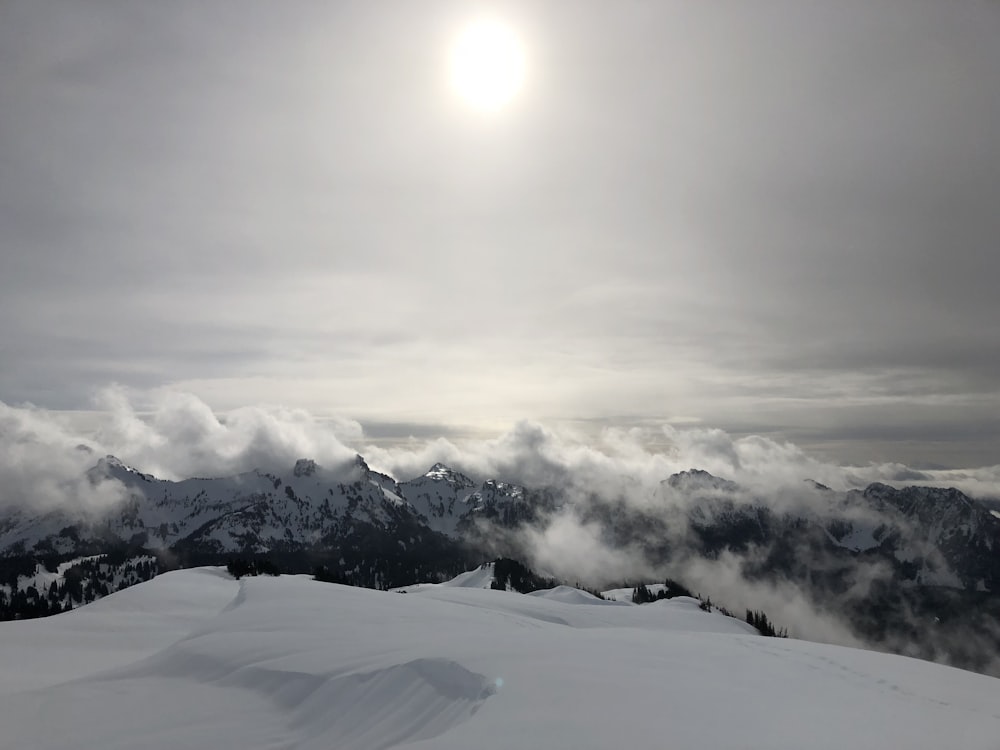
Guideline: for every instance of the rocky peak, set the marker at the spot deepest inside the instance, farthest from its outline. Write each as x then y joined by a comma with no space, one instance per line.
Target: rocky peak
441,473
111,467
698,480
305,467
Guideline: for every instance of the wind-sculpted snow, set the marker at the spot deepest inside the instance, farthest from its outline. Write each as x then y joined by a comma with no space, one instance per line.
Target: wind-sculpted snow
375,708
293,663
570,595
122,628
480,578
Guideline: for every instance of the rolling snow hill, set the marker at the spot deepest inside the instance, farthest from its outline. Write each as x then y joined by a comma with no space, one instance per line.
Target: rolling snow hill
194,659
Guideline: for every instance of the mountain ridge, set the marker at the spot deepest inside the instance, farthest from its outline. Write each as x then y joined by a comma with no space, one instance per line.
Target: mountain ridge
259,509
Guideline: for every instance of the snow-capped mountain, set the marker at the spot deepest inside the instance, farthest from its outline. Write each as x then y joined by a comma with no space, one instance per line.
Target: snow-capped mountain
258,512
347,517
442,495
939,536
252,512
456,505
928,536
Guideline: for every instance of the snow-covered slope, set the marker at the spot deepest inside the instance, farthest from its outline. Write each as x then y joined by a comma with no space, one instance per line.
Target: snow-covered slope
120,629
76,581
480,578
195,660
625,594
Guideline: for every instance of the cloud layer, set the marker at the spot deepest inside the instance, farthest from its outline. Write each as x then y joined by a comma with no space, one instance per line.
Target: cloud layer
780,219
173,434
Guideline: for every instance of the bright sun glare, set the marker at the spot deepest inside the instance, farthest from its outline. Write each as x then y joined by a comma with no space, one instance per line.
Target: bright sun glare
487,65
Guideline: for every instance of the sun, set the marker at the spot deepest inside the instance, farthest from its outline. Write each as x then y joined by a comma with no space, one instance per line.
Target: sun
487,65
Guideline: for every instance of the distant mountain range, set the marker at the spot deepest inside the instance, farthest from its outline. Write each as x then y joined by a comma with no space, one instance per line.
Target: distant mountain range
929,558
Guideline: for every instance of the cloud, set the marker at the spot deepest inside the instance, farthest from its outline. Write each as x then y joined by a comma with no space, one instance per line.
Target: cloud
43,465
786,605
44,455
576,551
179,436
174,434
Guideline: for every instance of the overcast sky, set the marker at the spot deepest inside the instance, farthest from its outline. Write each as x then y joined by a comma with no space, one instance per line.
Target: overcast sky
779,218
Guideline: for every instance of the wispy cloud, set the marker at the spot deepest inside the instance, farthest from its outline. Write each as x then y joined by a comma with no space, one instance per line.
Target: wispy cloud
175,434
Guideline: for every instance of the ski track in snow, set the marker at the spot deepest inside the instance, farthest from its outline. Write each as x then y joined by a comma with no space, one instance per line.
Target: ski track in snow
194,659
815,660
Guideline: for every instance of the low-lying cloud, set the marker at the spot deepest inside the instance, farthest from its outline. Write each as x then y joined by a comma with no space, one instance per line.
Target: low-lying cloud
175,435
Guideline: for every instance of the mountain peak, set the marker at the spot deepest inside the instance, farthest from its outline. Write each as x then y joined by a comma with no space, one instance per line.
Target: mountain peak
439,472
112,467
817,486
305,467
699,479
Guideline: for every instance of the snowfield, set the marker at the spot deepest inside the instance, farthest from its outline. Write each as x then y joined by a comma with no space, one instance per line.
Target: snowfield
194,659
